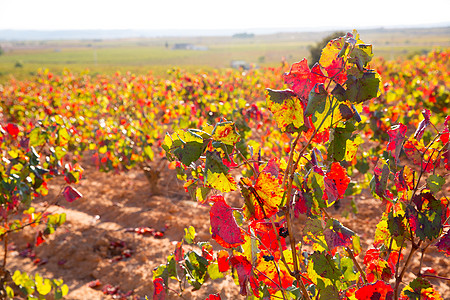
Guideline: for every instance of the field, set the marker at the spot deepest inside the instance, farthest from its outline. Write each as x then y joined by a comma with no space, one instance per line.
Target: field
143,55
167,173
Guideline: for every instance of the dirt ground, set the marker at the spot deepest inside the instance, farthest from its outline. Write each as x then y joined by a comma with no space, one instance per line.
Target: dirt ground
96,242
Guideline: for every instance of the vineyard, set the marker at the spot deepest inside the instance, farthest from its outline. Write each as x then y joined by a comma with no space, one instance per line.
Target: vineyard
329,182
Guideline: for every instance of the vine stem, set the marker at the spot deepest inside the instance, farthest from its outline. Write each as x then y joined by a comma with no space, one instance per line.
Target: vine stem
290,174
399,278
283,259
297,274
434,276
5,244
355,262
291,158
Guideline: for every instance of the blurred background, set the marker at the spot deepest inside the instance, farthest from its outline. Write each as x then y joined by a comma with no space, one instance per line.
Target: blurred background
153,36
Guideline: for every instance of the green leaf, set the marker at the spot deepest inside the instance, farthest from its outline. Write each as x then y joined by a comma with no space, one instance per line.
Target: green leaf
337,147
191,147
418,287
364,88
216,173
172,267
61,292
316,101
197,267
325,266
161,272
426,217
435,182
361,55
339,92
347,268
189,234
395,225
329,292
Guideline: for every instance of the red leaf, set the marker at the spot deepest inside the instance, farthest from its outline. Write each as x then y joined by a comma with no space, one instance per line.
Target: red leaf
39,238
224,228
159,293
336,70
396,136
268,237
223,261
214,297
378,290
71,194
444,243
339,175
423,124
179,252
245,274
302,79
94,283
446,131
12,129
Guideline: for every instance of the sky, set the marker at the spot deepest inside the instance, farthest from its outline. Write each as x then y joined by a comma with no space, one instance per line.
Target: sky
219,14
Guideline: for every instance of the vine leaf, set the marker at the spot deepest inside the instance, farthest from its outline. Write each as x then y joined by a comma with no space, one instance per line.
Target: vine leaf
445,134
198,268
404,179
244,270
323,271
377,267
420,155
337,235
423,124
268,237
287,109
332,51
71,194
364,88
159,292
226,133
187,146
302,79
264,197
377,290
12,129
444,243
316,100
435,182
338,146
216,173
335,70
223,260
420,288
340,178
266,269
224,228
426,218
396,137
